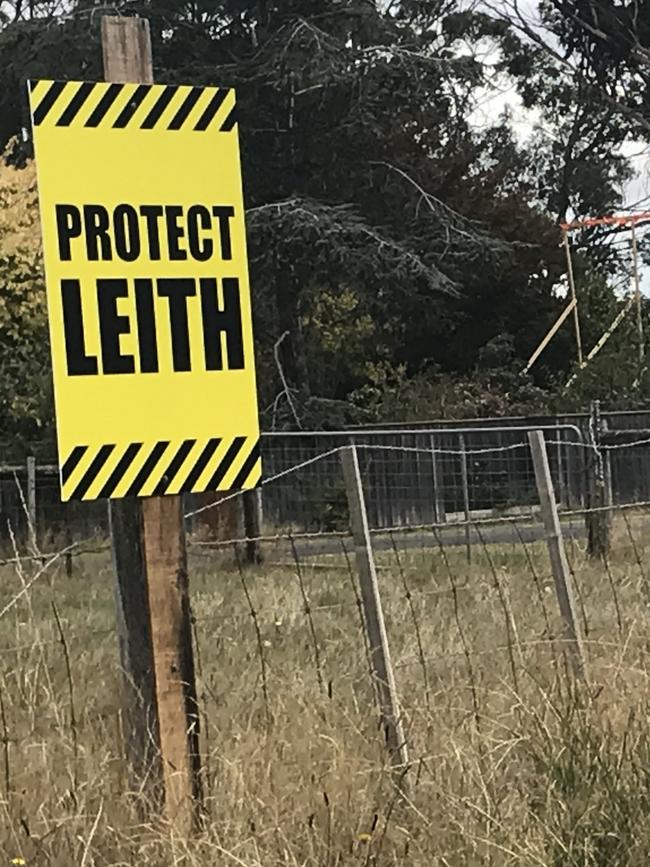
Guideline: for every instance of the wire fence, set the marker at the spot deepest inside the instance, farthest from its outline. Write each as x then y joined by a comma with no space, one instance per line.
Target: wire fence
410,476
479,522
477,644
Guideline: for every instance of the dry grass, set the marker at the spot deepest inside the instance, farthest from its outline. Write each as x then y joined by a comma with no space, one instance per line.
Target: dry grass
510,763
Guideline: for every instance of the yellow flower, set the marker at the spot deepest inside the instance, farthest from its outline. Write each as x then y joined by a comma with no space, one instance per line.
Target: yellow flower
18,861
364,838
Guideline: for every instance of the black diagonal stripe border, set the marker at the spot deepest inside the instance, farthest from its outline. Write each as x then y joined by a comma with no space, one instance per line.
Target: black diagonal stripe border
225,464
62,102
211,109
92,472
186,107
73,107
71,462
160,105
247,467
120,469
103,106
201,463
47,102
230,121
155,476
144,473
132,105
172,468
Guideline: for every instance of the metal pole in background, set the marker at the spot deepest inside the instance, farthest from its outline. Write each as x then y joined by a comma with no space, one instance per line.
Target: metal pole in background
438,493
637,293
607,474
31,499
560,466
465,484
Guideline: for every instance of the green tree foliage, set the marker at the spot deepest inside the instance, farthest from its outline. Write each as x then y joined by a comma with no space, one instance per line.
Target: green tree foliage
563,69
603,46
610,42
25,391
391,239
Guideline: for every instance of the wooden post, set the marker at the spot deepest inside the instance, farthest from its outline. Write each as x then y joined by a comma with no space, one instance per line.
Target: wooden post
465,484
555,542
253,525
597,522
574,297
160,717
372,611
550,334
31,499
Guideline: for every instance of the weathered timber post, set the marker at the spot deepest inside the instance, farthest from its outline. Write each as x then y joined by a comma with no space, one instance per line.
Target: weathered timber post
160,718
373,614
597,521
557,555
253,525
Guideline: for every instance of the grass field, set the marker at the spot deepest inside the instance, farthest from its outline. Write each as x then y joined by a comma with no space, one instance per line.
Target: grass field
510,762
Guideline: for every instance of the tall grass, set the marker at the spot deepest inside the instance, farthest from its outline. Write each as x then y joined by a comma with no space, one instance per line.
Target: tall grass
512,762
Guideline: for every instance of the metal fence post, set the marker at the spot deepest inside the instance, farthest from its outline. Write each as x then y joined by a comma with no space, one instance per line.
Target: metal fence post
373,614
607,471
574,474
31,498
560,466
465,484
439,516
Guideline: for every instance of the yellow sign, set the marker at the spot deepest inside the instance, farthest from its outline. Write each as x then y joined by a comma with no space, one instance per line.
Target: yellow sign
147,286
